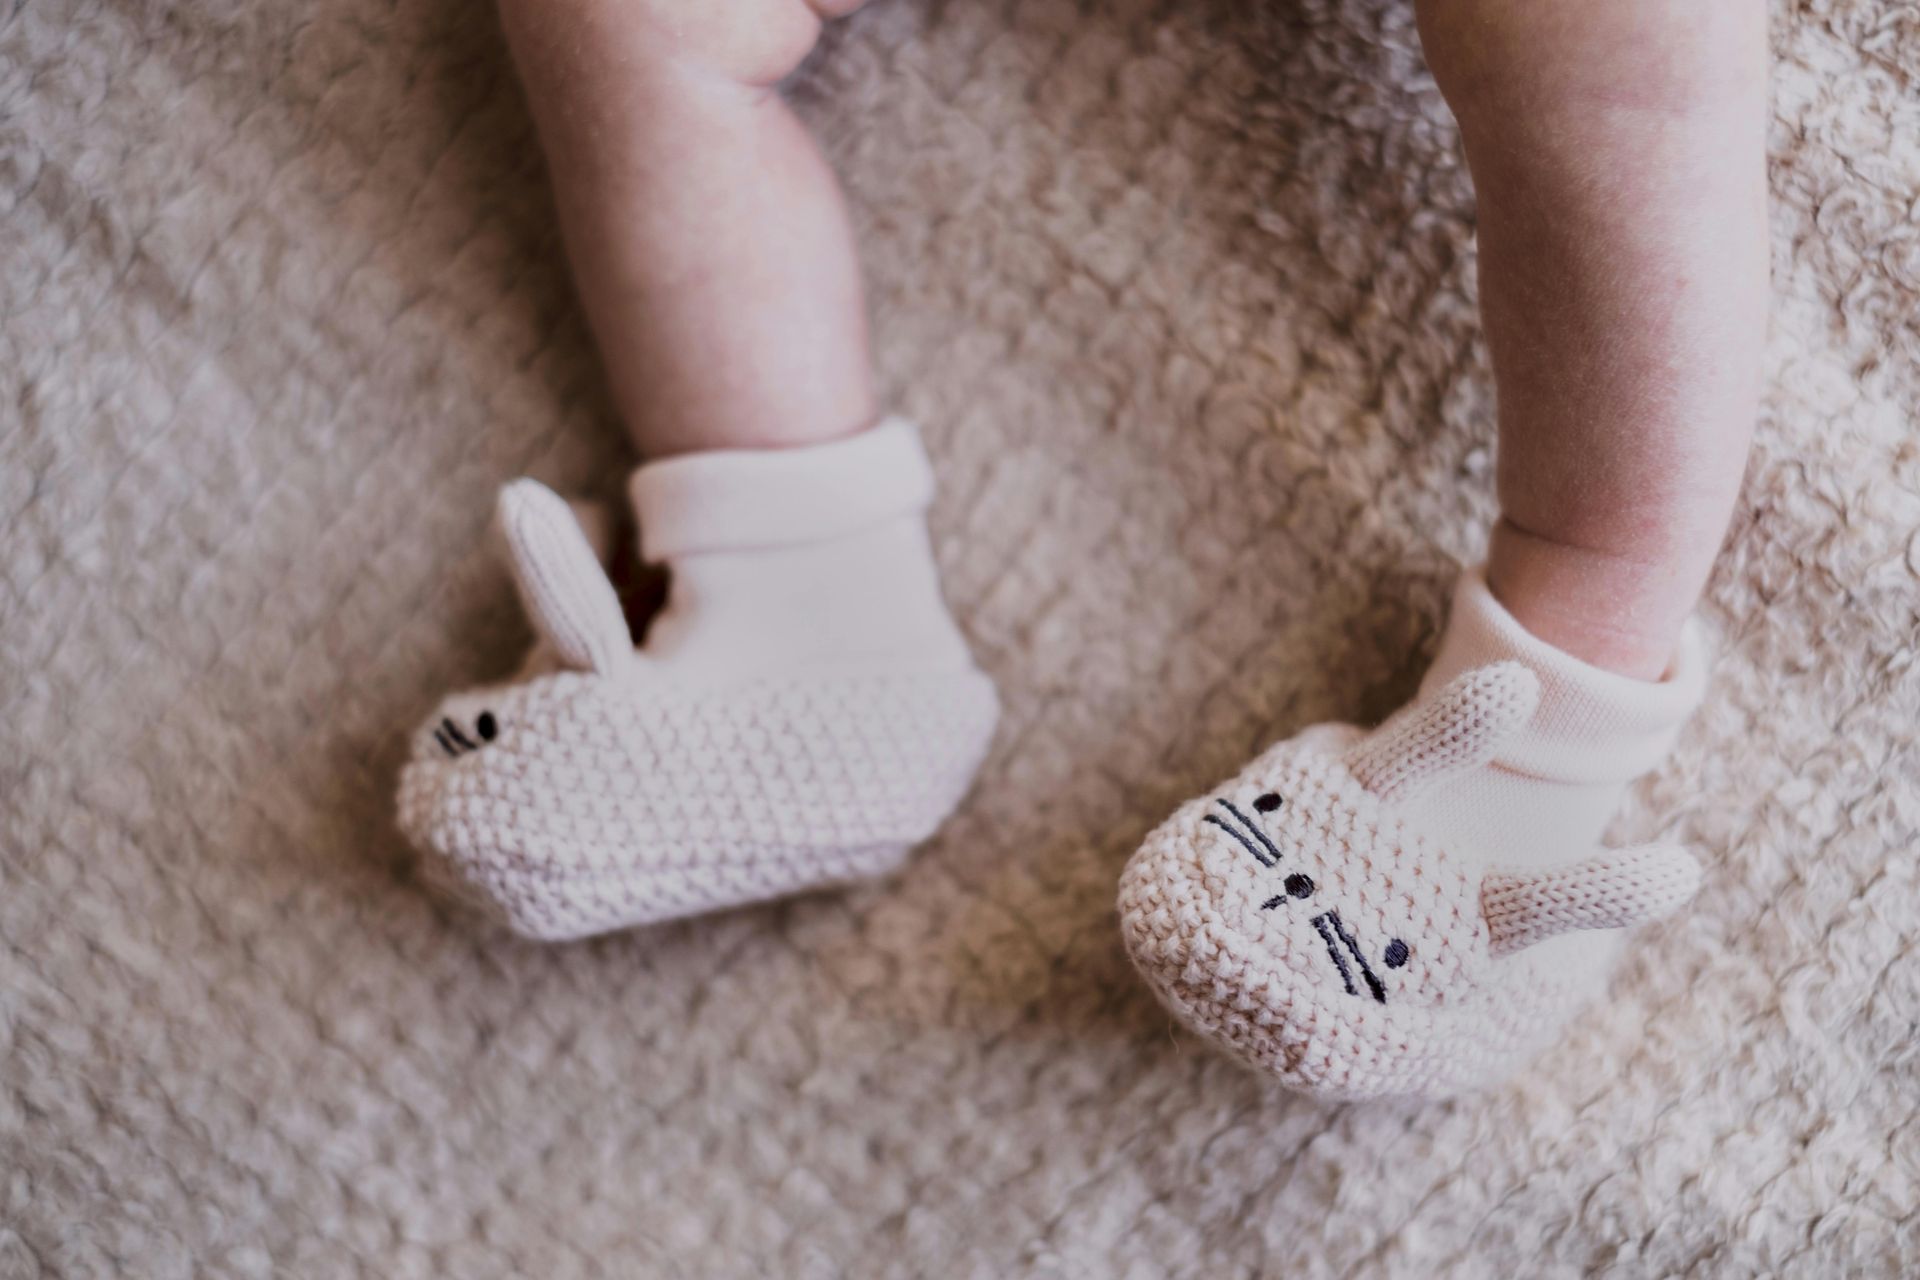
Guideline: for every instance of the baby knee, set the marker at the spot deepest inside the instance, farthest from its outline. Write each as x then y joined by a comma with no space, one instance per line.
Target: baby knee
756,42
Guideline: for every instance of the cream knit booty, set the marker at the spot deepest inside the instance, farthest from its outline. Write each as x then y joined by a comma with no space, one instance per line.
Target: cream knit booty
1417,910
804,711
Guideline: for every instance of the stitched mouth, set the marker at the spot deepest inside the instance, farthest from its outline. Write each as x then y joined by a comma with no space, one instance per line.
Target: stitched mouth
1335,935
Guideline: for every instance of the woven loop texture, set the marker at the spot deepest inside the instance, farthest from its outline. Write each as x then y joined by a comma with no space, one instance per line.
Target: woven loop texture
602,804
1183,296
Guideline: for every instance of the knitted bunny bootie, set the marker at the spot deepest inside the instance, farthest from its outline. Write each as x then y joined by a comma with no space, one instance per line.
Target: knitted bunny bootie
803,713
1419,909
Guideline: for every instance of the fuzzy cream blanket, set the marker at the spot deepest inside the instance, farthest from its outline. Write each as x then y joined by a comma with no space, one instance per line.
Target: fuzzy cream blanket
1183,294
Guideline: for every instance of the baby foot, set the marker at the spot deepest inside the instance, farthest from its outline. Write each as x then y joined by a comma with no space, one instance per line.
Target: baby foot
1319,918
630,786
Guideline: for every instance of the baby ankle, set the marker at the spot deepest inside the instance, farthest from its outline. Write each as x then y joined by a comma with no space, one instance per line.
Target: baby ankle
1618,611
1554,786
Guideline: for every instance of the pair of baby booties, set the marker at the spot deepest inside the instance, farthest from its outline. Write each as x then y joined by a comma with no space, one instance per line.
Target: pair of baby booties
1292,916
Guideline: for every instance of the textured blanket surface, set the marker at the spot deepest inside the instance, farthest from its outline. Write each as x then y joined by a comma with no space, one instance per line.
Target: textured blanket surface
1183,294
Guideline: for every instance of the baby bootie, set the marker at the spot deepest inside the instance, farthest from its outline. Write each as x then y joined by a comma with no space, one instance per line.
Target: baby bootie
804,710
1417,910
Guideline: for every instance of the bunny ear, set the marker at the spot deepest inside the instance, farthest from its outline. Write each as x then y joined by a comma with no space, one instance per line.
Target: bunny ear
562,585
1457,729
1612,890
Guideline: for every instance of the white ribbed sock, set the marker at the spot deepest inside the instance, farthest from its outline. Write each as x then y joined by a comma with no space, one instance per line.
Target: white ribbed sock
796,560
1550,790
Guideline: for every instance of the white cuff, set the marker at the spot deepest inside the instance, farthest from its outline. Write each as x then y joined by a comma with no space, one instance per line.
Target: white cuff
740,499
1592,725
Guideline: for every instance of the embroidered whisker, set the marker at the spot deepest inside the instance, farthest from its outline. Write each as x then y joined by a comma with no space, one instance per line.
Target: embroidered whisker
1374,984
1333,949
1245,843
1273,851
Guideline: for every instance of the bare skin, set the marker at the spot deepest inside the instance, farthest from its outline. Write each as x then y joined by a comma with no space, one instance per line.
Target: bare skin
1617,155
707,235
1618,158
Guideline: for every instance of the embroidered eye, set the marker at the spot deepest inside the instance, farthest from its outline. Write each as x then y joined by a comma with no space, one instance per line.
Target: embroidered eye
1267,803
1396,954
487,726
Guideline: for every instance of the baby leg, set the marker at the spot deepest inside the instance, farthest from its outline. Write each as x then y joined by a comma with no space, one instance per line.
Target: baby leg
1618,157
1291,915
803,710
708,238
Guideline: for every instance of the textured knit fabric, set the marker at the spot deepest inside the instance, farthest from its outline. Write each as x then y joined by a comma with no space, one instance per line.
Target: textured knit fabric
559,574
1612,891
1323,915
1436,737
771,744
1183,298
